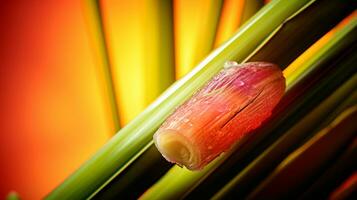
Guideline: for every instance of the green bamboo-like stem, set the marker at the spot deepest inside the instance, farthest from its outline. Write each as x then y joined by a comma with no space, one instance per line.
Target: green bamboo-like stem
124,147
180,180
302,165
140,175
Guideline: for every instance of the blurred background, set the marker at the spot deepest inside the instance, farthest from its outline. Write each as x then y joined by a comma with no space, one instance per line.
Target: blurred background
74,72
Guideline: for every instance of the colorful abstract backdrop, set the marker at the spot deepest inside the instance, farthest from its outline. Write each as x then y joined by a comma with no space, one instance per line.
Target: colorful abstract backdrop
74,72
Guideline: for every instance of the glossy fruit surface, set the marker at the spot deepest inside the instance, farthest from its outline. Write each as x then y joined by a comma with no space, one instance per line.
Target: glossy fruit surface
232,104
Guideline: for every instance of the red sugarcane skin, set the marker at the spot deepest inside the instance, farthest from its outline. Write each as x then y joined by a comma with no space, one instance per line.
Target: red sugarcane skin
231,105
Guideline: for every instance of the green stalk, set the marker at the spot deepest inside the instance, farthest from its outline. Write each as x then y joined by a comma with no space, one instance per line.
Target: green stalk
308,161
179,181
140,175
133,139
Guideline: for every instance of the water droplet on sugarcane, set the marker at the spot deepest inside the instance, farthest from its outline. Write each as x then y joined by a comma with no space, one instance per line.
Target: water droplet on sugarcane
232,104
229,64
240,83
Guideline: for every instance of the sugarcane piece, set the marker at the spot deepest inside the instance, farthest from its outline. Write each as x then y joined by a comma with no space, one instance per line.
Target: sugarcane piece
231,105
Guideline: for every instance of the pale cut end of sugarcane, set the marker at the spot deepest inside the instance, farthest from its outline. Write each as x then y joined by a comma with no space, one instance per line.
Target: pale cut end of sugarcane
176,148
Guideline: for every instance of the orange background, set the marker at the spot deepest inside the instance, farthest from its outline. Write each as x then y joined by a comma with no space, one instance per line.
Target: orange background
53,116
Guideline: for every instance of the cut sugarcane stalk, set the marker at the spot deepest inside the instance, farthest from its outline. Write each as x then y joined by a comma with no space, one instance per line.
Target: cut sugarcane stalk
230,106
